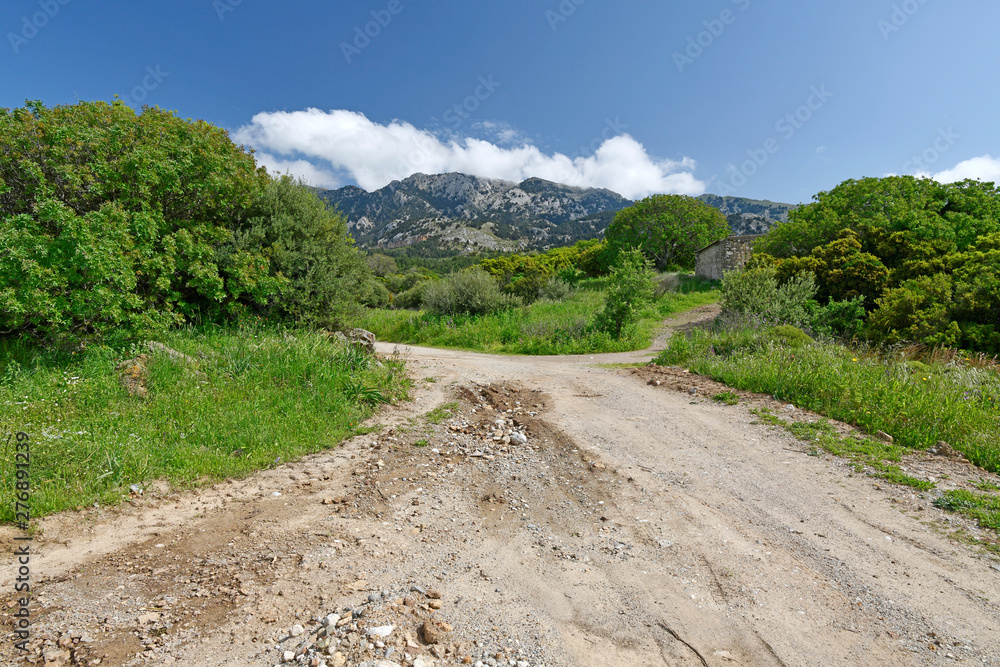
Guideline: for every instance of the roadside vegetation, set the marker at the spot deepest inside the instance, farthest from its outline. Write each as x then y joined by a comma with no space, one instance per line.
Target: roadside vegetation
249,397
857,337
118,229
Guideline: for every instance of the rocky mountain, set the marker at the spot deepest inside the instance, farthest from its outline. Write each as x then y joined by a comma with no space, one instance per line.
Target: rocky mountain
463,213
749,216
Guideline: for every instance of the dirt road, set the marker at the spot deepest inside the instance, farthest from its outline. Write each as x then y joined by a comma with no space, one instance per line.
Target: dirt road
526,511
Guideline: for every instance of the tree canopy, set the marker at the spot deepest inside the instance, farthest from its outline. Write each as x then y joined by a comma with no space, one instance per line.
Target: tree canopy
668,229
924,256
111,219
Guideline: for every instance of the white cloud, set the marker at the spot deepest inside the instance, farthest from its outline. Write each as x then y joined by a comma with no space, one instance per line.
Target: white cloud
303,169
325,147
984,168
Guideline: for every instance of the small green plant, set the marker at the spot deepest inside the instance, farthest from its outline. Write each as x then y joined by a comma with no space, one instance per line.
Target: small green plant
630,289
986,485
984,508
442,412
423,442
873,457
726,397
355,390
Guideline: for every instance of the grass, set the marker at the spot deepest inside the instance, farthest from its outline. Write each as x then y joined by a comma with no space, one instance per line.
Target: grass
959,404
866,454
253,397
985,508
726,398
542,328
442,412
915,402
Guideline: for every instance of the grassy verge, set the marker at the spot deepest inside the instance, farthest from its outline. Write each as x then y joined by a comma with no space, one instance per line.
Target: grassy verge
250,399
918,404
544,327
865,454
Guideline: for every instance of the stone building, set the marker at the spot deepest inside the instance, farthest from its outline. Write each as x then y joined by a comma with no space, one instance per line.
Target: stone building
724,255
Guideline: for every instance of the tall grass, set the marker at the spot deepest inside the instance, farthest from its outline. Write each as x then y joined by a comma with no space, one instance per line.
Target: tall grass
253,397
917,404
544,327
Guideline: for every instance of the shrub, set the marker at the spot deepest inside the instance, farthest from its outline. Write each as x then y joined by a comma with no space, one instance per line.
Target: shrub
668,282
844,319
756,292
555,290
918,312
629,289
413,298
788,336
309,244
401,282
472,292
112,220
378,296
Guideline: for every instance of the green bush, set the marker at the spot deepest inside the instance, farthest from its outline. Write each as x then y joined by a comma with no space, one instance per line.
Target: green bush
378,296
786,335
839,319
111,220
308,243
555,289
471,292
630,289
413,298
756,293
402,282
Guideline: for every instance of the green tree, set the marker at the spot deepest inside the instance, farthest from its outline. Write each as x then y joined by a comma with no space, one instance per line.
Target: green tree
630,288
382,265
668,229
110,219
309,246
917,311
924,210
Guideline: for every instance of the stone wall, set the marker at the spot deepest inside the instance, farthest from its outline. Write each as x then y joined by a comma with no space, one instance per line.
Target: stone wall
726,255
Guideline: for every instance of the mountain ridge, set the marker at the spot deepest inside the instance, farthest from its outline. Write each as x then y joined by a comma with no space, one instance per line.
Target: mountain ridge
469,213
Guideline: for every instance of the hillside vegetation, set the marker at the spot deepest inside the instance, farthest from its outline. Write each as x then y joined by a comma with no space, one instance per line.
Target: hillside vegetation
112,220
922,257
123,232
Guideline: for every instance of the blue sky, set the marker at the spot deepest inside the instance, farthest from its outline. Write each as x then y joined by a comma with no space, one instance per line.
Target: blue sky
771,100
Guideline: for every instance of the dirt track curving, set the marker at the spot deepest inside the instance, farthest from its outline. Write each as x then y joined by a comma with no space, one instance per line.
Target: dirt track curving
638,525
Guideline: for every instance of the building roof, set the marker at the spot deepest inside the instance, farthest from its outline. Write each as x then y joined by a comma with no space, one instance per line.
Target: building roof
744,237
